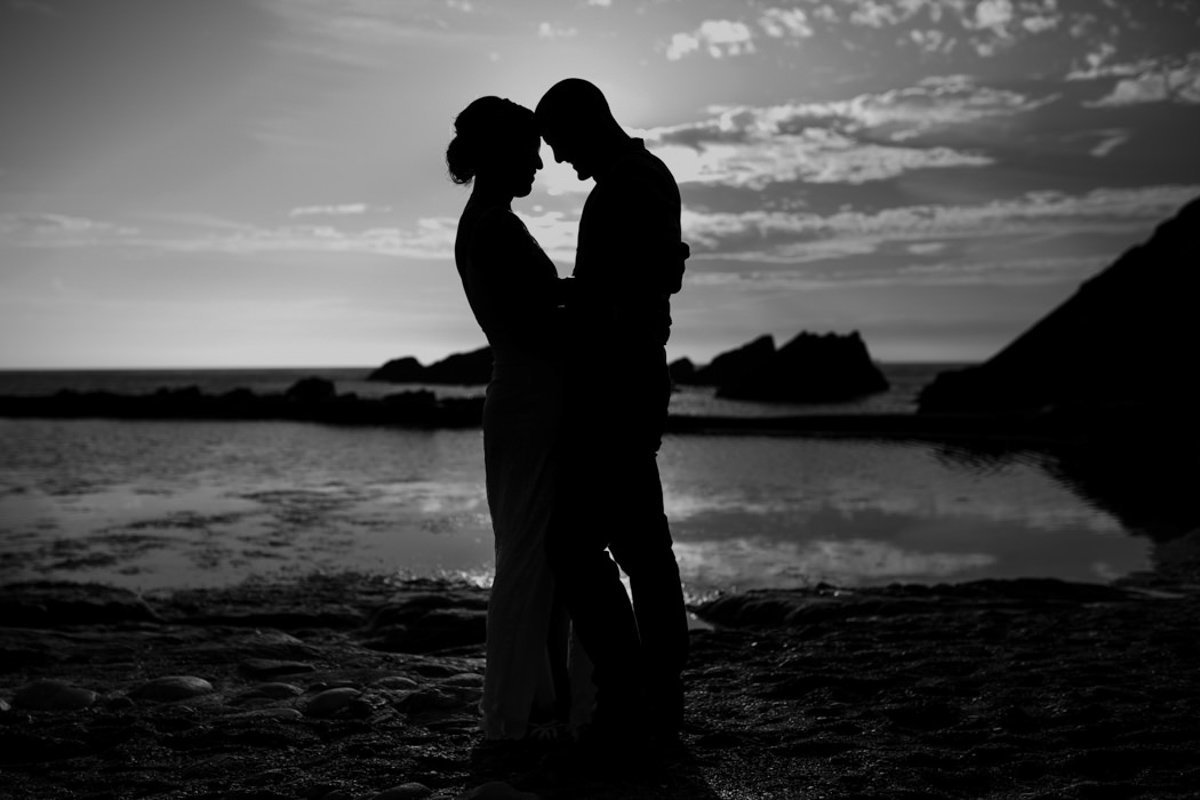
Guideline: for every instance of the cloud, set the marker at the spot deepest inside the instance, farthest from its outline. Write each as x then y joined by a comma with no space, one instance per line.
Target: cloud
721,37
339,210
867,138
368,33
779,23
926,248
60,230
994,15
813,156
872,14
601,3
430,238
899,115
1151,81
934,26
547,30
716,37
781,237
1110,140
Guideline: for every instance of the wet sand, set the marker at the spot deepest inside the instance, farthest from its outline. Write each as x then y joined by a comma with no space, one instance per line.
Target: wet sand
350,687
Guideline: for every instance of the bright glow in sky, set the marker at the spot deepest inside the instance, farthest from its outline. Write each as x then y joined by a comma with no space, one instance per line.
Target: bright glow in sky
261,182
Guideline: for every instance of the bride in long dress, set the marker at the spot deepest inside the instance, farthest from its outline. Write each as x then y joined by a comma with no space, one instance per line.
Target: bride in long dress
512,288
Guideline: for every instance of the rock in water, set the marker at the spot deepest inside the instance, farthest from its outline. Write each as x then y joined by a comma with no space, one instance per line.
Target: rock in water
462,369
811,368
682,370
52,695
458,369
735,365
1124,339
399,370
171,688
312,390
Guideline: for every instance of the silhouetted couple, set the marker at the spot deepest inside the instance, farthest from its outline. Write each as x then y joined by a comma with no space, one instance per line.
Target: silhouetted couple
572,424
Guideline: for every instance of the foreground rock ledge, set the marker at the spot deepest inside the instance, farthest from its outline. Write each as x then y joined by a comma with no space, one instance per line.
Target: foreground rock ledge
308,689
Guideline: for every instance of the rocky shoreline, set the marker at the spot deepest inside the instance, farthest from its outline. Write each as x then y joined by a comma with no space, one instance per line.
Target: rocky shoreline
356,687
316,400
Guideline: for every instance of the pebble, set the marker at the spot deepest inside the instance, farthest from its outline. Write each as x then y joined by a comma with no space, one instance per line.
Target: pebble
497,790
405,791
273,668
4,706
430,699
396,682
273,691
331,701
468,679
282,714
172,687
53,695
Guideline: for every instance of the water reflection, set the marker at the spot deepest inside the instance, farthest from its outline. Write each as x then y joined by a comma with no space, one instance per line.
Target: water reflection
1146,486
759,512
161,504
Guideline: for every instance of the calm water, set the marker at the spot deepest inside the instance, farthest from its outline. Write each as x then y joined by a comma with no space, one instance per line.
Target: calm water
160,504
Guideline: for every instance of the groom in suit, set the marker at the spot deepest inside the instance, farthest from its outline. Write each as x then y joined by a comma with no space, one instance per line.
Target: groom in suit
629,261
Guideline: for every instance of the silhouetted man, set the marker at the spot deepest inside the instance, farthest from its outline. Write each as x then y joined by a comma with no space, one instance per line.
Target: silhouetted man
629,260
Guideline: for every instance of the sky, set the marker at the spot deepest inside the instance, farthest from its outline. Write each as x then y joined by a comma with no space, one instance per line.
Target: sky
262,182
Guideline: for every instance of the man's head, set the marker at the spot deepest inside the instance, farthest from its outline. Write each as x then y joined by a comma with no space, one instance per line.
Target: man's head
574,119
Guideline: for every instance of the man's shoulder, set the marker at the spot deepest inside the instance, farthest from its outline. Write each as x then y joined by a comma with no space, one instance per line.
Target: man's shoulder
639,167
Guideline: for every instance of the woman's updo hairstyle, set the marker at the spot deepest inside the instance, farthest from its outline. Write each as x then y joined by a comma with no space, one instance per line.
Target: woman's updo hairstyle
485,132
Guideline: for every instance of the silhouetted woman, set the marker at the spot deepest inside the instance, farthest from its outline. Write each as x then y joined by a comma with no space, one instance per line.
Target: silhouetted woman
511,286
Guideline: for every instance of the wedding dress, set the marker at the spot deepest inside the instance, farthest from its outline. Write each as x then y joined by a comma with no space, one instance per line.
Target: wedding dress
511,286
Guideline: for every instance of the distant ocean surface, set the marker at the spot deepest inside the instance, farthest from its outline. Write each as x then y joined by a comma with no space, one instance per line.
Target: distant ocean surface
153,504
906,381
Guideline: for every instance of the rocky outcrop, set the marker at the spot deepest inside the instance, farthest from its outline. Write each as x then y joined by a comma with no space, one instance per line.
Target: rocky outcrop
399,370
458,369
682,370
734,365
312,390
811,368
1121,342
308,400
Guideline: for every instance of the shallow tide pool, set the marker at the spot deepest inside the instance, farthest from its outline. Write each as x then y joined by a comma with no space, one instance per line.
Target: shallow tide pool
153,504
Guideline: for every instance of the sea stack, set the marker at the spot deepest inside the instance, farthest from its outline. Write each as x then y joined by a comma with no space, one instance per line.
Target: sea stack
811,368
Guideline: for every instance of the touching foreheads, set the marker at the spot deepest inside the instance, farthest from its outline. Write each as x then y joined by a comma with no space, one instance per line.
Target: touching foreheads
573,103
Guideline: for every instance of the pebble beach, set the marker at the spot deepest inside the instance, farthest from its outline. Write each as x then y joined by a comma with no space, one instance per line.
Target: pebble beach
358,687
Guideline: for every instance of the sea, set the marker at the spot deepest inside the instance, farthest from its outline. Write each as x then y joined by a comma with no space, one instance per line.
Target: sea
153,505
